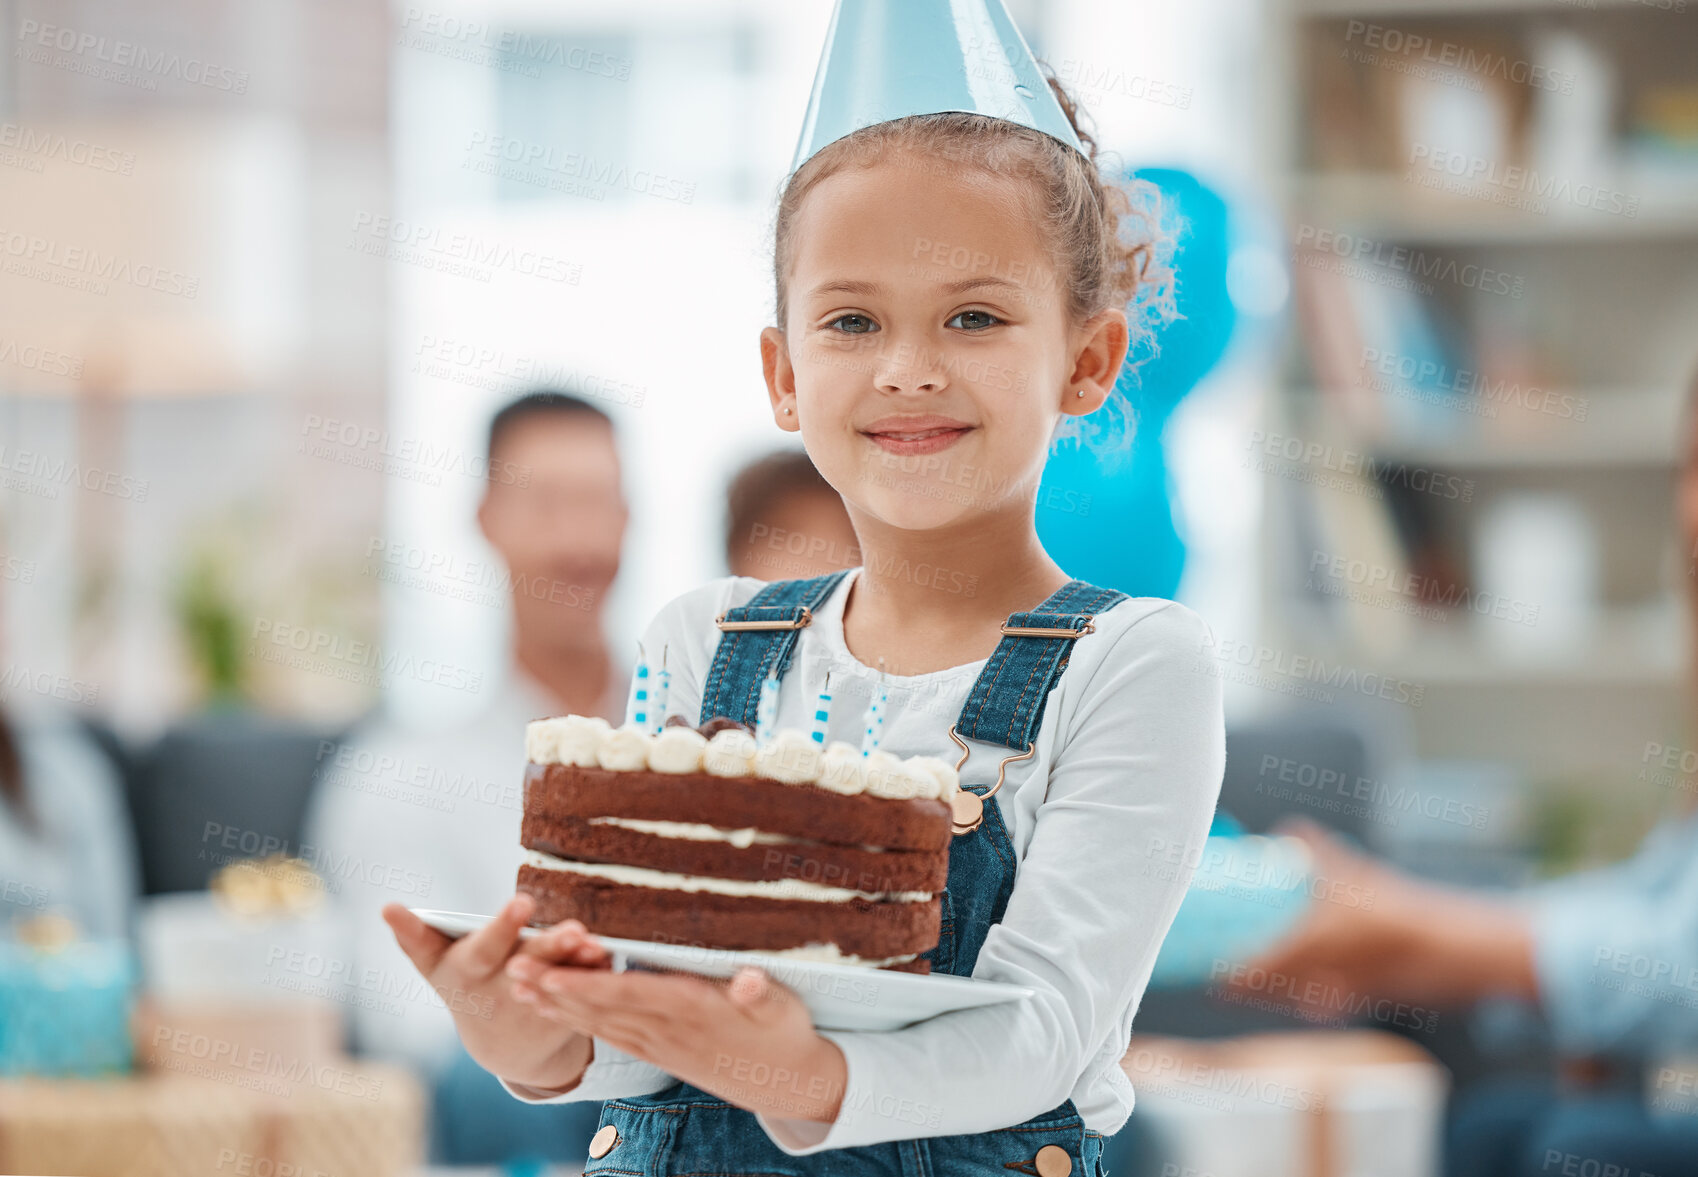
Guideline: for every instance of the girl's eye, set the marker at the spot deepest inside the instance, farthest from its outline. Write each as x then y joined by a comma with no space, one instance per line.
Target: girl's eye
982,319
853,324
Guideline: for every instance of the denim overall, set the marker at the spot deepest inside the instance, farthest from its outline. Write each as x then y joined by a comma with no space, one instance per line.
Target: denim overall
683,1131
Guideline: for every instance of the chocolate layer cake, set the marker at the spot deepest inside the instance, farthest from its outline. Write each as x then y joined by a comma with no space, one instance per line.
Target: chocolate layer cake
699,836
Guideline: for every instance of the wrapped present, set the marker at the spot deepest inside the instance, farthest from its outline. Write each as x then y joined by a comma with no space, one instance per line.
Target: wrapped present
1298,1104
64,1002
338,1118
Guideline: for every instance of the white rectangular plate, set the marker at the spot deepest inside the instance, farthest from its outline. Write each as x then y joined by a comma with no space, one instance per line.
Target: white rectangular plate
839,996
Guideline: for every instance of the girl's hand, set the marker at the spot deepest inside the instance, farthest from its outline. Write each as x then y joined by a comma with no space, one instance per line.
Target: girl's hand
504,1035
749,1041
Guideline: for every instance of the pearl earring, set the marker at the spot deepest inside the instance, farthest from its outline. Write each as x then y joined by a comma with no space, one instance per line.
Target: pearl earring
786,410
1081,392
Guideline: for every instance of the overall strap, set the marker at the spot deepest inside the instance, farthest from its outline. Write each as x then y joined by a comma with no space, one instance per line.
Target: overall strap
1006,704
756,640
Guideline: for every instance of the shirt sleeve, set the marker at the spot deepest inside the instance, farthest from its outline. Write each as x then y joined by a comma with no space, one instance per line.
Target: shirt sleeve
1137,774
1616,950
612,1074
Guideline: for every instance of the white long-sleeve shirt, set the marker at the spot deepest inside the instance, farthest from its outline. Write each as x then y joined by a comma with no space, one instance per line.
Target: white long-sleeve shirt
1107,821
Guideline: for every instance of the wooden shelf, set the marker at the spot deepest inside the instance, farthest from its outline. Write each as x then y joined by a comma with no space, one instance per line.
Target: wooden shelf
1627,647
1627,429
1379,9
1388,207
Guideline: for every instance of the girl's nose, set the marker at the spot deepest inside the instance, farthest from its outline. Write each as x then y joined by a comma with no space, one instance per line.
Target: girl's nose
910,367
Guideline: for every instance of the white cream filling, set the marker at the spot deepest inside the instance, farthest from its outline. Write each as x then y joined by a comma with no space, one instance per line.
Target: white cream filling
829,953
695,831
641,876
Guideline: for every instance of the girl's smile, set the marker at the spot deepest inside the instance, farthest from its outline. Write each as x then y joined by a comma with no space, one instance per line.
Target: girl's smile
916,434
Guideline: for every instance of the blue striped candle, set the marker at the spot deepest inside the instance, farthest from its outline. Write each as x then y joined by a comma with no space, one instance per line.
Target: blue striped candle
662,694
822,711
875,718
766,712
640,715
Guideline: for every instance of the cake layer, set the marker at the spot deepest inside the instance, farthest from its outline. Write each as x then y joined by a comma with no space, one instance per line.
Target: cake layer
797,811
856,926
701,852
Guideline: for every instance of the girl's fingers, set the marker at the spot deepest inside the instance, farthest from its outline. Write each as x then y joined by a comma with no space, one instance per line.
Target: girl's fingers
423,944
483,952
567,942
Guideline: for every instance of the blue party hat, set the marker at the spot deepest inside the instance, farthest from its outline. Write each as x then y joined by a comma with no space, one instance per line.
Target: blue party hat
887,59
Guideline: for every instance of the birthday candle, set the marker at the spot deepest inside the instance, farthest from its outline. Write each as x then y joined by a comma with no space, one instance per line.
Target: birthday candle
875,718
640,716
662,693
766,712
822,711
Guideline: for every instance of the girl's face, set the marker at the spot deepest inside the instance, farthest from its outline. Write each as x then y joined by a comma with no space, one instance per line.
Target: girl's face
926,352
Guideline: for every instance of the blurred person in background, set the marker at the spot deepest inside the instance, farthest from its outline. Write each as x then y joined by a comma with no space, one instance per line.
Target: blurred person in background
1609,955
67,845
446,804
785,522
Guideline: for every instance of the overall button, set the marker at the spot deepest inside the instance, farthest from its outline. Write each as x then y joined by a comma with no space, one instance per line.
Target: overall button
1053,1161
603,1141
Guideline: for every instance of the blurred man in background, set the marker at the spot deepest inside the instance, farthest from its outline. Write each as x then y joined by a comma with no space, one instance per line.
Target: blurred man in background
1610,955
785,522
446,804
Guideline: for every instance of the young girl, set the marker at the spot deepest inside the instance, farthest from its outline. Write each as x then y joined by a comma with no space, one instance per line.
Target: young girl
949,292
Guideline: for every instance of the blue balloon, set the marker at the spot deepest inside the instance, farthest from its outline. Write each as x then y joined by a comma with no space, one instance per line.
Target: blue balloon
1108,518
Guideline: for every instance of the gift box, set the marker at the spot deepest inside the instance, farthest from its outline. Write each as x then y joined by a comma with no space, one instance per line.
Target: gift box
1348,1103
64,1002
340,1118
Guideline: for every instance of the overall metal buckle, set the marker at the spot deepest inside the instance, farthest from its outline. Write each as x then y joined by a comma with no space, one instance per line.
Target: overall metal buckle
801,622
967,810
